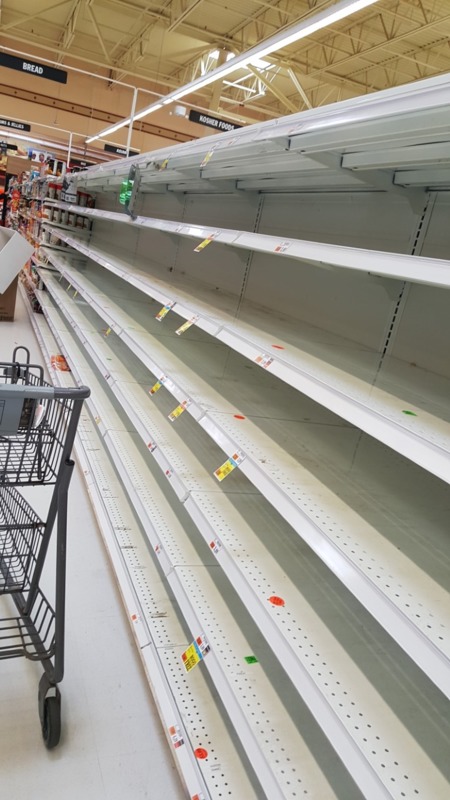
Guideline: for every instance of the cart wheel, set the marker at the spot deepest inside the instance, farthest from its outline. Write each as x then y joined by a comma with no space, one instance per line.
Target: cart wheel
51,722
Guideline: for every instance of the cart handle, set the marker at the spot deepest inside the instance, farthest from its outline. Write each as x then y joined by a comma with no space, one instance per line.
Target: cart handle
15,390
16,350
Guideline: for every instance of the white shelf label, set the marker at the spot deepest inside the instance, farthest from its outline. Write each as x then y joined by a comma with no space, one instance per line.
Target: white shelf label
264,360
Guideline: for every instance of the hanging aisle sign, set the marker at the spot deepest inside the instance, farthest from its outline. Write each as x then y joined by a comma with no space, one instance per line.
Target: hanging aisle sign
17,126
212,122
120,151
33,68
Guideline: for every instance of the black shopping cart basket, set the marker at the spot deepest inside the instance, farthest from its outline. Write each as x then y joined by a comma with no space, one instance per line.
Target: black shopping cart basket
38,423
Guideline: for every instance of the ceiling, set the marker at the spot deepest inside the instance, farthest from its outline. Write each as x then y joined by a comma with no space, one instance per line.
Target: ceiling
162,45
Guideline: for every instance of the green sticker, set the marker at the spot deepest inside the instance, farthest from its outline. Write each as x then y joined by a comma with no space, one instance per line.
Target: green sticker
410,413
251,659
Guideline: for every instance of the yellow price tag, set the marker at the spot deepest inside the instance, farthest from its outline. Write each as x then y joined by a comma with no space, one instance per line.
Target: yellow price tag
207,158
191,657
75,295
108,331
225,469
186,325
155,388
164,311
228,466
177,412
69,287
195,653
202,245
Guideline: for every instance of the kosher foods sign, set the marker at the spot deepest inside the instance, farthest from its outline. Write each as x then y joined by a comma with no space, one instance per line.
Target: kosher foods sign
212,122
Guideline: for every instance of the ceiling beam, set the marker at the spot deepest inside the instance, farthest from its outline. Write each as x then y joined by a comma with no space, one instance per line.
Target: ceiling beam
97,29
27,17
278,94
299,87
70,29
184,14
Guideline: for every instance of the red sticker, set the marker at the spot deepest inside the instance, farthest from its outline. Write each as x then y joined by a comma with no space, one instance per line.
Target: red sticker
239,416
200,752
278,347
276,601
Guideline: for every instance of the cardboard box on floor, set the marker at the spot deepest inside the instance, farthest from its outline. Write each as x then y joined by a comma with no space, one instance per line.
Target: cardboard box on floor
14,253
8,302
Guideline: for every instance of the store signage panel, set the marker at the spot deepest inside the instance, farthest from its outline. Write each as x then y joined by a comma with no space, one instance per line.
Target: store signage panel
33,68
17,126
120,151
212,122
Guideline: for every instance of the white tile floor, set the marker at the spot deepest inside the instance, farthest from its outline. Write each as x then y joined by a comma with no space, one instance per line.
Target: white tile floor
113,745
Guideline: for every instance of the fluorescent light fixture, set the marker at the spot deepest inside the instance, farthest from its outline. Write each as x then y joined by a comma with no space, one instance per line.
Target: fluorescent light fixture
107,131
144,113
259,62
277,42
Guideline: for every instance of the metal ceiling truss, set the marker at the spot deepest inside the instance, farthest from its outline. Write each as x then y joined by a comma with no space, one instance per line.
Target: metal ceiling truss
391,43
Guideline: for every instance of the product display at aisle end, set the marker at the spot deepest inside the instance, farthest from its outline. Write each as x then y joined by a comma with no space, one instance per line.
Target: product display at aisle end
264,331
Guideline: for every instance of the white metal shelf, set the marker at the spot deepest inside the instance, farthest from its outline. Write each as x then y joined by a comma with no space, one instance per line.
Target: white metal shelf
354,550
405,116
250,700
432,271
422,436
257,577
184,701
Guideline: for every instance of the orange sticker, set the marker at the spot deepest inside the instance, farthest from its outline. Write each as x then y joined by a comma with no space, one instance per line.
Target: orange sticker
239,416
200,752
276,601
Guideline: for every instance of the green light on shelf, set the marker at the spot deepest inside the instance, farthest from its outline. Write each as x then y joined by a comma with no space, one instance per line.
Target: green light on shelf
251,659
125,192
409,413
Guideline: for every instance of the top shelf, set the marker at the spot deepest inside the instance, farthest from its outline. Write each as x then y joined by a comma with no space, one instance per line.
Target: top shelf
400,124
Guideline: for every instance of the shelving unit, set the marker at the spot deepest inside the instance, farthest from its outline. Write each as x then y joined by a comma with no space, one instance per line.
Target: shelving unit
266,340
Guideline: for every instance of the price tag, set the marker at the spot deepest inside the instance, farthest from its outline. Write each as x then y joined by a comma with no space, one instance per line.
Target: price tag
208,157
108,331
264,360
163,165
75,295
281,248
152,446
164,311
203,244
177,412
216,546
69,287
195,653
176,736
187,325
155,388
228,466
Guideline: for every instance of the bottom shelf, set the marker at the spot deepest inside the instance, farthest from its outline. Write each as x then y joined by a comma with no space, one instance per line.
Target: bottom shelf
373,650
192,716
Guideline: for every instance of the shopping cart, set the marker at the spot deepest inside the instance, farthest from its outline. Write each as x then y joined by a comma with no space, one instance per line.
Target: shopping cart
38,423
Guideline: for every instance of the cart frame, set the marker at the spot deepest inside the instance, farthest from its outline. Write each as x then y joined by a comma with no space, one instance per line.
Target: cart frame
38,424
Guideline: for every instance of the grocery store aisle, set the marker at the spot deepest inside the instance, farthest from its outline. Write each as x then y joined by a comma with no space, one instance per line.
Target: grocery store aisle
113,745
